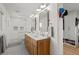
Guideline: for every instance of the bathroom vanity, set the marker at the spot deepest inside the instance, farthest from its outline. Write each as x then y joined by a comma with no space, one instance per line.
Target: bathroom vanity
37,44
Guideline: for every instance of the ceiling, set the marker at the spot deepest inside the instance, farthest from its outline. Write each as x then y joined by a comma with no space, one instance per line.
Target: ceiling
26,9
71,6
21,9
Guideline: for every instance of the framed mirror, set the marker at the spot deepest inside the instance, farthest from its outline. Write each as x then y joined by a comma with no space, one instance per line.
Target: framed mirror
44,21
33,24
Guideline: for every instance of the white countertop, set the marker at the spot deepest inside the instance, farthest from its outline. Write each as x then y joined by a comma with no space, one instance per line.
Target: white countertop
37,36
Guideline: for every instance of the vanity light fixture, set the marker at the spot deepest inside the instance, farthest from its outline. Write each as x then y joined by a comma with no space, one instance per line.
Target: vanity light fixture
43,6
38,9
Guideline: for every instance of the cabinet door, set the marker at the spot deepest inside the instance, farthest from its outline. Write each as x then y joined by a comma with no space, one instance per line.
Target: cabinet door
44,47
34,47
40,47
31,48
35,50
29,44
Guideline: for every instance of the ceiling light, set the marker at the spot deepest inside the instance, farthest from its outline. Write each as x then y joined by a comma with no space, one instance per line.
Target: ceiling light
38,9
43,6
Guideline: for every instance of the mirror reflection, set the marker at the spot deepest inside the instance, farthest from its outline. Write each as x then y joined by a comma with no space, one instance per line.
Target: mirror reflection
43,21
33,24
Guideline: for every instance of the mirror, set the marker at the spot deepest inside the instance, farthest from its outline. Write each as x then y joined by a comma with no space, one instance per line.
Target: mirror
33,24
44,21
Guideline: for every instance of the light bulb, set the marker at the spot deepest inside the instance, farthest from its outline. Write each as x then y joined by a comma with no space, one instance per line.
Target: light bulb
43,6
38,9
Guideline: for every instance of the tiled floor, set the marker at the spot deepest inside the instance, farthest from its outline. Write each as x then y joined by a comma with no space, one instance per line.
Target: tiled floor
16,50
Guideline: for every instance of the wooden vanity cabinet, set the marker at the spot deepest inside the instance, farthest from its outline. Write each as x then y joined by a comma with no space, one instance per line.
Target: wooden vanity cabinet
37,47
44,47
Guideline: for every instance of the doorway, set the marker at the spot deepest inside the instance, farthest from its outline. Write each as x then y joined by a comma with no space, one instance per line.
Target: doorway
70,32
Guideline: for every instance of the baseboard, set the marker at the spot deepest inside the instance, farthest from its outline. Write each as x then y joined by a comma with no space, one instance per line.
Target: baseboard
72,42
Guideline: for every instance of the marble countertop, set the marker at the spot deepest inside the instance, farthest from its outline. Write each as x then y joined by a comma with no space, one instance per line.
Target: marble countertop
37,36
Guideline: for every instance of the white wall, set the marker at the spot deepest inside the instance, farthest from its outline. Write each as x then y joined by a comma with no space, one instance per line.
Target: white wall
57,24
28,24
4,21
16,35
7,27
